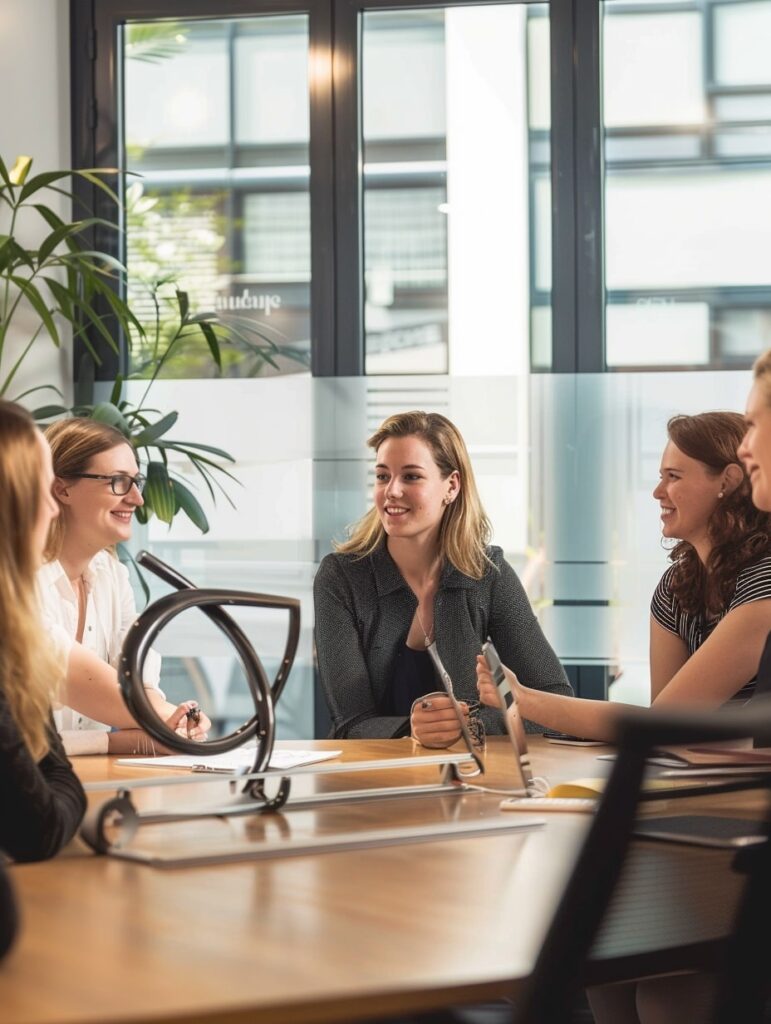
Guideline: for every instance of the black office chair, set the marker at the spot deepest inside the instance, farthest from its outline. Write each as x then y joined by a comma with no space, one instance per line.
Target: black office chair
560,972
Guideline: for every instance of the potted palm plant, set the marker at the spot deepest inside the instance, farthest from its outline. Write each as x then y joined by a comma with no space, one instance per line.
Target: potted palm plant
66,284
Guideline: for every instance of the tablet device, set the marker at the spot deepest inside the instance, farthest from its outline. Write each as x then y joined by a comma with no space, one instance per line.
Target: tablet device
511,716
703,830
444,677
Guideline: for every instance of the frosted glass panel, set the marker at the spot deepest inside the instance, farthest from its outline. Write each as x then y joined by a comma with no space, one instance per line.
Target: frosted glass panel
657,334
653,68
272,84
742,34
689,229
180,99
565,466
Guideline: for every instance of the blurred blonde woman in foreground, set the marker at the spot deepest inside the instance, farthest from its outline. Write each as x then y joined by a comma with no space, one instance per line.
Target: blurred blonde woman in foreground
41,800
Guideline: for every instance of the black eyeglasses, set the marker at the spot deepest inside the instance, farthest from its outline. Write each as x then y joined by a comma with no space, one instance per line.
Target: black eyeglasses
121,483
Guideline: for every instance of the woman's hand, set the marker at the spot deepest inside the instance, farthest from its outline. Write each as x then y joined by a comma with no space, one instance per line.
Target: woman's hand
434,722
137,741
488,691
189,721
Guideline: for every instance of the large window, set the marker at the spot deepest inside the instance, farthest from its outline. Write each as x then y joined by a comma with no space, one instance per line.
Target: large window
431,201
687,120
216,131
447,218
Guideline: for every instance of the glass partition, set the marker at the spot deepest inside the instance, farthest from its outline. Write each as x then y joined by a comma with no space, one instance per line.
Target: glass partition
565,465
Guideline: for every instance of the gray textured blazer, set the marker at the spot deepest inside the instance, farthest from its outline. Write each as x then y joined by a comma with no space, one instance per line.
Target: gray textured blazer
364,609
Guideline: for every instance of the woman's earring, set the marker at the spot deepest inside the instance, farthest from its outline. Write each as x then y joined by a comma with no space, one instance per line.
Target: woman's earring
721,494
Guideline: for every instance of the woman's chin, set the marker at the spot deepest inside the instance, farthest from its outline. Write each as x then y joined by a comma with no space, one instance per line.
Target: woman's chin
760,496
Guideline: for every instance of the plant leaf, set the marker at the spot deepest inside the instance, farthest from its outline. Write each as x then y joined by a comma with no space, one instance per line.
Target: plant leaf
184,304
158,493
39,387
117,388
62,296
95,257
106,412
4,175
211,341
41,181
18,173
35,299
45,412
12,251
190,505
151,433
182,446
130,562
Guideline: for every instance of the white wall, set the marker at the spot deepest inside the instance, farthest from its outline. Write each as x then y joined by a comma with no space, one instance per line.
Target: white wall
35,121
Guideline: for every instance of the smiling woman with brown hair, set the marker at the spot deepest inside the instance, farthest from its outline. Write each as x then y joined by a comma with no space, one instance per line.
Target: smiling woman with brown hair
711,611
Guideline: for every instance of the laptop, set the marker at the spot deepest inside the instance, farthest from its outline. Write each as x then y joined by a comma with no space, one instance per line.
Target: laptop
514,726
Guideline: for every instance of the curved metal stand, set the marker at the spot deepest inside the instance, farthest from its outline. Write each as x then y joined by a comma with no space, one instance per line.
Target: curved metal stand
226,624
112,826
157,615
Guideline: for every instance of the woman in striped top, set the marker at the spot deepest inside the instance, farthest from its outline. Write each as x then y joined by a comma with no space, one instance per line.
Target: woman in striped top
711,612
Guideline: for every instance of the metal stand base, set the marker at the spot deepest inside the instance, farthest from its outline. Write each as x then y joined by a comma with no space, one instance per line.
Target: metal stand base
115,824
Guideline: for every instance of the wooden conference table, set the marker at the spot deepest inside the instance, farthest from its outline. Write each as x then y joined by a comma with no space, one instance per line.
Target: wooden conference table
338,936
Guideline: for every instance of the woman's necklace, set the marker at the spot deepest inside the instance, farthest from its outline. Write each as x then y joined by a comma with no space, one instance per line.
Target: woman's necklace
427,634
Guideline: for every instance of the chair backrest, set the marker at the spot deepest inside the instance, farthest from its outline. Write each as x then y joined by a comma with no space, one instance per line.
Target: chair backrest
559,971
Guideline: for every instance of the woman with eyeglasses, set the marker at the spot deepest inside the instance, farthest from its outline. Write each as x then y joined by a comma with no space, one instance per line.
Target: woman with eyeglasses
41,801
87,601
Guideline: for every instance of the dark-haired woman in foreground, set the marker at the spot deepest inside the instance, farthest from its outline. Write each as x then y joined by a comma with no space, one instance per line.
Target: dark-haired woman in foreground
41,800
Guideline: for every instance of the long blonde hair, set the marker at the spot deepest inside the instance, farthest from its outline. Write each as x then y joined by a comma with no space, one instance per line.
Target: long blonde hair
465,530
29,672
74,442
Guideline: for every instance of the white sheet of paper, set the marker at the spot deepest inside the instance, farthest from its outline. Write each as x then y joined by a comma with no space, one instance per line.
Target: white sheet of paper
238,760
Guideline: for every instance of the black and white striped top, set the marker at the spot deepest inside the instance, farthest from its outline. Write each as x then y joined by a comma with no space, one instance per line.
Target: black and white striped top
752,584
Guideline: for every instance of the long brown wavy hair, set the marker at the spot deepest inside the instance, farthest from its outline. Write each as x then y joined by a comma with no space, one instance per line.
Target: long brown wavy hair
29,672
465,530
740,533
74,443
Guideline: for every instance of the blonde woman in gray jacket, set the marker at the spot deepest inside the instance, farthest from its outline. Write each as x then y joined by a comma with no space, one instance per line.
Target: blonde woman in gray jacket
418,568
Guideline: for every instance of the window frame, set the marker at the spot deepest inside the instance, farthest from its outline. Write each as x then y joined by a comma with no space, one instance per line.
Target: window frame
335,26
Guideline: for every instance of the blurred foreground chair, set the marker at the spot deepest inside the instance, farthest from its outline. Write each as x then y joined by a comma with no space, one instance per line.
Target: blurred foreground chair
561,972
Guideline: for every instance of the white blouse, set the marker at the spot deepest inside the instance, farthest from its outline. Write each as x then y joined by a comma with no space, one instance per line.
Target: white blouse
110,611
